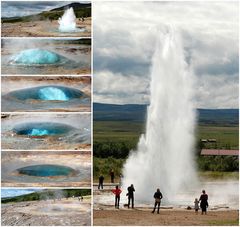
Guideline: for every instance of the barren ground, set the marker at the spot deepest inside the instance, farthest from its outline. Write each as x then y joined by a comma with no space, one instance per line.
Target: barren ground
166,217
40,213
43,29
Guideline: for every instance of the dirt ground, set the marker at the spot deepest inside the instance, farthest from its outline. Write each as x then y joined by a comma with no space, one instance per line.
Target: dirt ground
69,212
166,217
43,29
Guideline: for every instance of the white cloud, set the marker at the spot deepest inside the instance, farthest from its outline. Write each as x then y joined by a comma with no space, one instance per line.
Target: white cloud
124,40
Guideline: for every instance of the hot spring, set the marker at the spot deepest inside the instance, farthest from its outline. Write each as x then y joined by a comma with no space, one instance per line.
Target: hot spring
67,23
46,170
37,57
47,93
42,129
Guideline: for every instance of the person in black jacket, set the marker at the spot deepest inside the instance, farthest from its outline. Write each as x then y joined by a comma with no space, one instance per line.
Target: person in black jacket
101,179
157,196
130,195
204,202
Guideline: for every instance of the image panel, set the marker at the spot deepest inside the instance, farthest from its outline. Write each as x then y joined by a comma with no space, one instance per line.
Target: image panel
46,131
45,207
68,56
46,169
166,113
46,94
46,19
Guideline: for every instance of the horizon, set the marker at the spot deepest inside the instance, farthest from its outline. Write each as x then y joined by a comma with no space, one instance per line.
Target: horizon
149,104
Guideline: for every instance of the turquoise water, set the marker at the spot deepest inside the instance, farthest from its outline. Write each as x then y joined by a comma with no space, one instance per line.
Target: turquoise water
42,129
49,93
36,57
46,170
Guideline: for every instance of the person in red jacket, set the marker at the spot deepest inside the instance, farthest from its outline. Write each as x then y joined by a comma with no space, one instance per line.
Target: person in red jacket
117,193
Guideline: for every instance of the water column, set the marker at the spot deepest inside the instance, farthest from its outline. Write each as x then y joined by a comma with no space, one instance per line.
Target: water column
164,155
67,23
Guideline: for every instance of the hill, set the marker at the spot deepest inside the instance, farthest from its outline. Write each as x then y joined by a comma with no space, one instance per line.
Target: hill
80,10
137,113
48,194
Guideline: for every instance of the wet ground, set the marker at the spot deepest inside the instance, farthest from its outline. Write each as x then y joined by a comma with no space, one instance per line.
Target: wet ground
70,212
44,29
223,207
222,195
75,57
17,83
79,162
78,136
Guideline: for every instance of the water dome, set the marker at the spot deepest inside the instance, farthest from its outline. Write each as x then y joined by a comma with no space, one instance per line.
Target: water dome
46,170
42,129
36,57
47,93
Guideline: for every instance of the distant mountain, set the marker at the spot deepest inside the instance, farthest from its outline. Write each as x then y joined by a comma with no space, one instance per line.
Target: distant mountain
133,112
75,6
80,10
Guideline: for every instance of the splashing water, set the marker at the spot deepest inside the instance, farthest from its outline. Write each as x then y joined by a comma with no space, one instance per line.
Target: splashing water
164,156
67,23
38,132
52,93
36,57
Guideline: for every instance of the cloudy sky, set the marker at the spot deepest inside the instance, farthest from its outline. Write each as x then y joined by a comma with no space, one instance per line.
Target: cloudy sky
125,35
24,8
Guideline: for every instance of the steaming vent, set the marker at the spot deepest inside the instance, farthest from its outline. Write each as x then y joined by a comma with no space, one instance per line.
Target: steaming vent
47,93
46,170
36,129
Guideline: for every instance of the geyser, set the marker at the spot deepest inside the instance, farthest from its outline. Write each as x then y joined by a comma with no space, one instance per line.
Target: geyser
46,170
164,156
67,23
36,57
46,93
42,129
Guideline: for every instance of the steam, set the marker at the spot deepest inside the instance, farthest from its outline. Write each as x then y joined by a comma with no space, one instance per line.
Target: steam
164,156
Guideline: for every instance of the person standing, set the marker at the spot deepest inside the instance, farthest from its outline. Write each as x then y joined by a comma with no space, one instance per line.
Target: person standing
204,202
157,196
130,195
112,175
117,193
196,206
100,179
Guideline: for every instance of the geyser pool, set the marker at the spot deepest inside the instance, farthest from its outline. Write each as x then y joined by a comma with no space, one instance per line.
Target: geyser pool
47,93
36,57
42,129
46,170
164,155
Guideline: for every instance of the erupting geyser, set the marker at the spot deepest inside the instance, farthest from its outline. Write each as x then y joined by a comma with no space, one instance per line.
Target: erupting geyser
46,170
36,57
47,93
42,129
164,156
67,23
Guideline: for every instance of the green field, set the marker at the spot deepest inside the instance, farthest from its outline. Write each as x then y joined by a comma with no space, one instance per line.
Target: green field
129,132
114,139
48,194
227,137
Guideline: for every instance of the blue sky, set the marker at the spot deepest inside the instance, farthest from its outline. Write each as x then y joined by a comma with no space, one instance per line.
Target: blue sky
125,34
16,192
